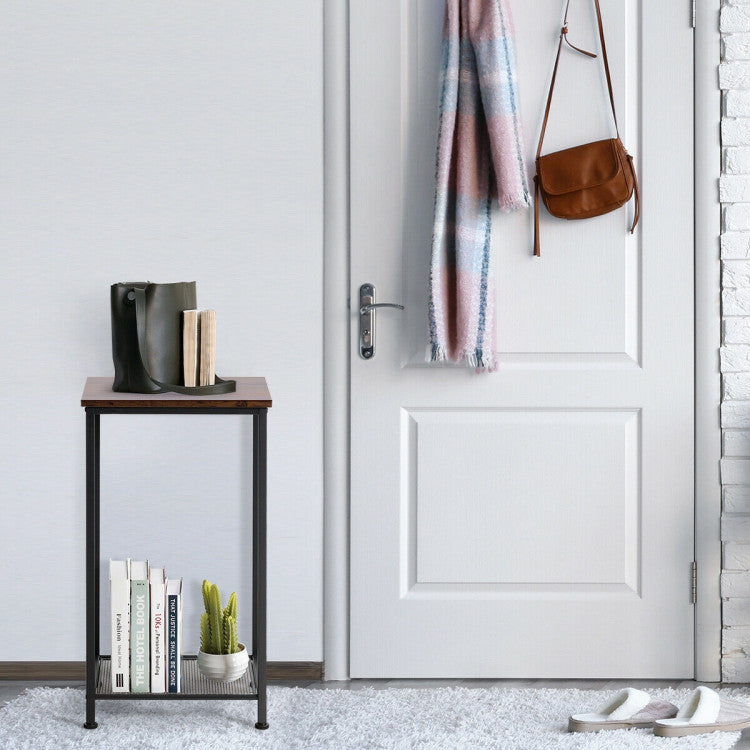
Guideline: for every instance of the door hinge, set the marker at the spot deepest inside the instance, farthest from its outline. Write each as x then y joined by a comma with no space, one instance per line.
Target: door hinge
693,14
694,581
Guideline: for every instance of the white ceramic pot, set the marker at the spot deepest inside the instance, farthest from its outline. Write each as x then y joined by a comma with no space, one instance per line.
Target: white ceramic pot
223,667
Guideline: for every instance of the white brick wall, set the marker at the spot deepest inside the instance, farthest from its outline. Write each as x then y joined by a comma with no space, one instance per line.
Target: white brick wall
734,192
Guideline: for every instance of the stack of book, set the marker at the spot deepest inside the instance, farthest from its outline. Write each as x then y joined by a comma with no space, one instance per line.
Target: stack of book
146,615
199,347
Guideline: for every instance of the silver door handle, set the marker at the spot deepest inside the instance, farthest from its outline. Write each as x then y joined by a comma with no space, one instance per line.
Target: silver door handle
367,307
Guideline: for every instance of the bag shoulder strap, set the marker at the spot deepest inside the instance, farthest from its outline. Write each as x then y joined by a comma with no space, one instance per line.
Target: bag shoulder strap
221,386
564,36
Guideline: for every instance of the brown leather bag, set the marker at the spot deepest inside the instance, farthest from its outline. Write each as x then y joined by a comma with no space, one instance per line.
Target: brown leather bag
588,180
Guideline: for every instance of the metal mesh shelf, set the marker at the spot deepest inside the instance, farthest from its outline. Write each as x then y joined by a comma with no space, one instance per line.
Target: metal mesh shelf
193,685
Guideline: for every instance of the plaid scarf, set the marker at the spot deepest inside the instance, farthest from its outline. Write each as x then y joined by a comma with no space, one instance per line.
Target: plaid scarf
480,152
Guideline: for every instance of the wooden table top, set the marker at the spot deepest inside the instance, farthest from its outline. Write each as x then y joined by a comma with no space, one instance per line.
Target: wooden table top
251,393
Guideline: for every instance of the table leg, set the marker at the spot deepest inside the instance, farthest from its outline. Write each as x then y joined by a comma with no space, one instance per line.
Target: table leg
97,526
92,517
259,560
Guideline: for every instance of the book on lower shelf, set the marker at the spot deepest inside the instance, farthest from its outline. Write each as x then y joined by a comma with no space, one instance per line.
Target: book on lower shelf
174,634
157,599
119,593
139,627
146,628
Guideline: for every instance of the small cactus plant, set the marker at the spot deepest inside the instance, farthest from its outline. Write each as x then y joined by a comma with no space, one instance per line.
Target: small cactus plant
218,627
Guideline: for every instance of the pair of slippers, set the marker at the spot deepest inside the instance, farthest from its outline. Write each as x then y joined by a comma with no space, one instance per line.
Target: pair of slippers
704,711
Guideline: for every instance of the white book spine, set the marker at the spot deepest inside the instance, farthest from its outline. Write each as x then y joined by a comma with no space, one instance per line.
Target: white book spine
158,631
119,588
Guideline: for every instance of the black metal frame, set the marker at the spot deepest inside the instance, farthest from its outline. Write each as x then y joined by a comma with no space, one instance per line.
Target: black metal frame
93,522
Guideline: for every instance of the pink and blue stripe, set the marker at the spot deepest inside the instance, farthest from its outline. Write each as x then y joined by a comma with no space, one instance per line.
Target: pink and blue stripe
480,157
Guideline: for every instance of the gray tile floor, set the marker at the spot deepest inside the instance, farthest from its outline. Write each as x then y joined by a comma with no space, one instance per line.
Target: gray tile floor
9,689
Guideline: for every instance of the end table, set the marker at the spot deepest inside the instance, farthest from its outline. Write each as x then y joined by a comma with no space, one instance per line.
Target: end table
250,398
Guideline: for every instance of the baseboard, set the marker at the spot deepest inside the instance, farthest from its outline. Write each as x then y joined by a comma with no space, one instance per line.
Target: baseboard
295,670
76,670
42,670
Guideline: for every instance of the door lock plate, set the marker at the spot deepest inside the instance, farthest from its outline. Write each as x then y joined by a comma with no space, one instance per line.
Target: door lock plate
366,322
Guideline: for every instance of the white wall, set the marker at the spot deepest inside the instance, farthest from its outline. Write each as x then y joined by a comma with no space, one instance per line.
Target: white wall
166,141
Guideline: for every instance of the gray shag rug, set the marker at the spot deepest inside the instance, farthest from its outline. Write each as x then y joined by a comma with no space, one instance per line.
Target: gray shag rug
406,719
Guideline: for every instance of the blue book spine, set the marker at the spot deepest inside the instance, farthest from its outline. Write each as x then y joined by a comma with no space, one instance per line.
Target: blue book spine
140,672
172,645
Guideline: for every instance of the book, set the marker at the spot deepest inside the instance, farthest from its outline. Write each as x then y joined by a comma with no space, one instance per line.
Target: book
139,616
207,347
119,597
174,634
157,599
190,350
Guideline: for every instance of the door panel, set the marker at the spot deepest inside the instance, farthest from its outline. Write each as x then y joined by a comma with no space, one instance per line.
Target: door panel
585,459
538,521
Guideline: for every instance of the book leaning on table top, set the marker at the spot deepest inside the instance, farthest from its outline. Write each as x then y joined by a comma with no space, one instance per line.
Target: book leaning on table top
146,623
199,347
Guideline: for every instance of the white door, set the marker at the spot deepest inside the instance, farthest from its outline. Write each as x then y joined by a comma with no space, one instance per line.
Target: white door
538,521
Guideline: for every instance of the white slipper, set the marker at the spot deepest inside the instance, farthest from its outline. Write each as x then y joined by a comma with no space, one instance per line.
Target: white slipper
629,709
703,712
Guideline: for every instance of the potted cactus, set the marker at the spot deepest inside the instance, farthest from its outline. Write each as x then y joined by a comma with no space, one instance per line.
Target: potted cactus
221,657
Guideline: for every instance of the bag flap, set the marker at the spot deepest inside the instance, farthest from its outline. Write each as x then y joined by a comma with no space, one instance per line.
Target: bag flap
579,167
